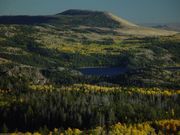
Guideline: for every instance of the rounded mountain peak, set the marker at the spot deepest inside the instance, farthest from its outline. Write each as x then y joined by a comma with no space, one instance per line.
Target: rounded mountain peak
74,12
96,18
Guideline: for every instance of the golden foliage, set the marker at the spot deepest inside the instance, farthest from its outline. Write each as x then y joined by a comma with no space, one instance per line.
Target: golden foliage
162,126
94,88
168,126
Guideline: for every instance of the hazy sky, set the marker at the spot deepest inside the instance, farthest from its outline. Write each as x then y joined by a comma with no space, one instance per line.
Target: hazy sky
139,11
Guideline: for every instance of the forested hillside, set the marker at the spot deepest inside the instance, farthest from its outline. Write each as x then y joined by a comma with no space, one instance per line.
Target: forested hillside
43,88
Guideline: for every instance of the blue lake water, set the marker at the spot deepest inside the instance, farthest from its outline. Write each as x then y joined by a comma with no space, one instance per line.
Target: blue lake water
103,71
112,71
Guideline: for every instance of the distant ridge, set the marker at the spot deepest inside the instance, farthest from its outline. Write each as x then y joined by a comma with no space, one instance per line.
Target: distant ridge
86,19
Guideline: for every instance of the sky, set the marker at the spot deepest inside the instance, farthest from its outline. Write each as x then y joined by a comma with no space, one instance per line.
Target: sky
137,11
